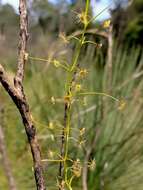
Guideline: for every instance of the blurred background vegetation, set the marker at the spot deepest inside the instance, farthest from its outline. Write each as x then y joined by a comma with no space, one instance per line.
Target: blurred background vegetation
113,138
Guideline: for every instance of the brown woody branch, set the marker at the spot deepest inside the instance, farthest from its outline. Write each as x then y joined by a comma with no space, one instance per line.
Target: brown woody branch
16,92
23,37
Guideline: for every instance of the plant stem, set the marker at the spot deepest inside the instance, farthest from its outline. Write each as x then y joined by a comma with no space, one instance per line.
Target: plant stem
63,174
97,93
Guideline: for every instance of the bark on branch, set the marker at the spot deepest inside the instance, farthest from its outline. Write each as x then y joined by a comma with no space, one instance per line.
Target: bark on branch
16,92
23,37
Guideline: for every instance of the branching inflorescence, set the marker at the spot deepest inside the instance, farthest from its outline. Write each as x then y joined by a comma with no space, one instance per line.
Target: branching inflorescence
68,168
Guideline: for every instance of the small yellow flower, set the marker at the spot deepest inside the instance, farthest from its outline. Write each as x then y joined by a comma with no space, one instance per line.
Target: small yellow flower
82,131
67,99
107,23
51,125
82,17
76,168
64,37
81,143
56,63
92,165
53,101
77,87
83,73
122,105
50,153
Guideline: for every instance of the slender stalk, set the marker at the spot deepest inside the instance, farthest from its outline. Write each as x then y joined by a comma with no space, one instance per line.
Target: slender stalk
97,93
45,60
67,107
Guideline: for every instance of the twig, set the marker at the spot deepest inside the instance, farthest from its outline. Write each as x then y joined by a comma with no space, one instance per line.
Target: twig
17,94
23,37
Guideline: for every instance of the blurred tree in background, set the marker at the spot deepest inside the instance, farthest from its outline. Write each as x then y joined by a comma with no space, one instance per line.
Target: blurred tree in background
44,14
8,19
128,22
127,18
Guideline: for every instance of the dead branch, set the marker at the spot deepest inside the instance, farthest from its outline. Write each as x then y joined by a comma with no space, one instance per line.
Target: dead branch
16,92
23,37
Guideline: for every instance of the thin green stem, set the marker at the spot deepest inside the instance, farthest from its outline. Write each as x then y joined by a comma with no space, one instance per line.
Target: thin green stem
38,59
87,7
97,93
46,60
67,134
81,41
68,91
90,42
50,160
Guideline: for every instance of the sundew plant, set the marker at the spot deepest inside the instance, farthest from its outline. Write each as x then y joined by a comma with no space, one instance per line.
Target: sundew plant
70,166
